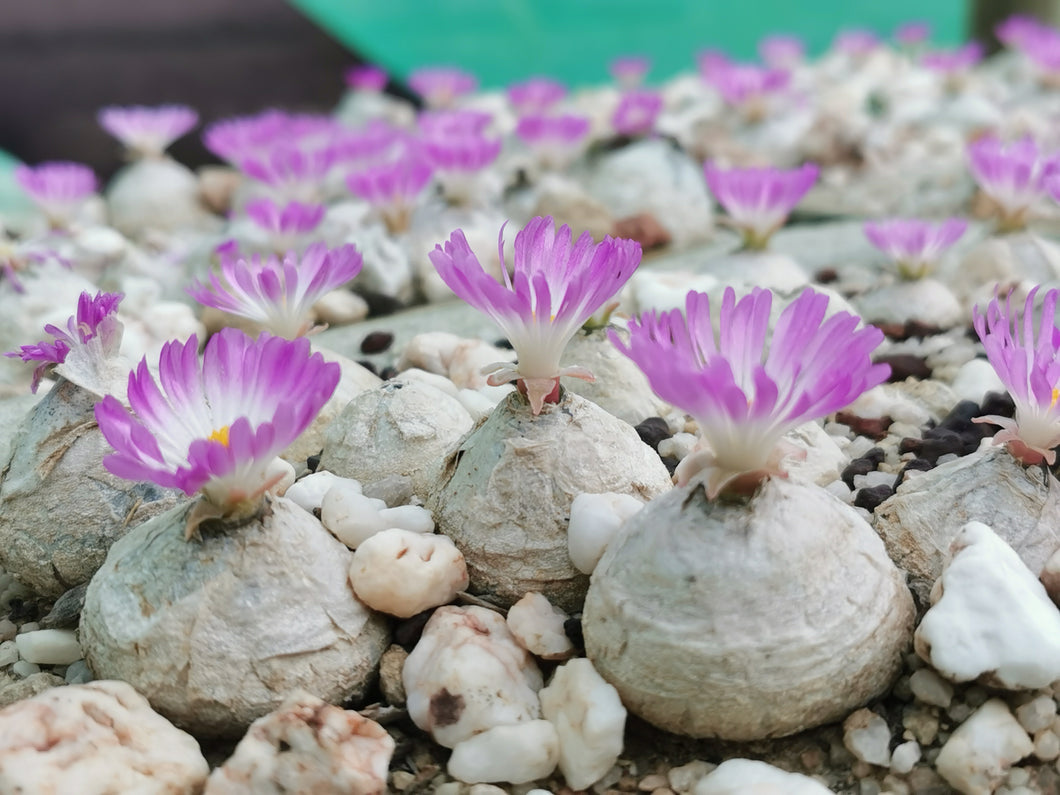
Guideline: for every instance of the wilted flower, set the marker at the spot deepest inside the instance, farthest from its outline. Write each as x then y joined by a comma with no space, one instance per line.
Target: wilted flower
744,394
58,188
636,113
1014,175
554,287
286,224
366,77
441,85
555,139
536,95
148,131
914,244
94,331
1028,363
216,425
394,187
629,70
759,200
278,294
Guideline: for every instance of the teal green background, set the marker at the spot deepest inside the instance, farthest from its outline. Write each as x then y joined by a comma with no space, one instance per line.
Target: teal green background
505,40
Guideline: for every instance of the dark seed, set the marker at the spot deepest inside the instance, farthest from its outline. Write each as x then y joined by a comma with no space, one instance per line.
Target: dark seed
670,463
380,305
407,633
916,465
313,461
999,404
874,428
859,466
652,431
870,498
388,372
377,342
369,366
503,343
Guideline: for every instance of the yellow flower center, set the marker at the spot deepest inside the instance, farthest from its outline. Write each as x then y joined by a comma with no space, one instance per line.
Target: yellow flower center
220,435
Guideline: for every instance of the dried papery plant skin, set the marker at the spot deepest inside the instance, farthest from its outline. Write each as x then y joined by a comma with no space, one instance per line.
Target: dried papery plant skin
506,493
218,632
60,510
747,620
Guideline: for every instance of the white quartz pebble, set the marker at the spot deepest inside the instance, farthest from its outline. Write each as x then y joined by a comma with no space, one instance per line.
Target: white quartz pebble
349,515
746,776
340,307
403,573
904,757
49,646
516,754
467,674
1047,746
594,521
974,379
868,737
992,617
979,753
589,719
1037,714
677,446
8,653
537,625
930,688
439,382
414,518
479,404
281,475
308,492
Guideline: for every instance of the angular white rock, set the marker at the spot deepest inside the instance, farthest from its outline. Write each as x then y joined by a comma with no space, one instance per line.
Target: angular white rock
589,719
924,300
307,745
979,753
516,753
403,573
990,617
95,739
467,674
751,777
49,646
537,625
1037,714
904,757
930,688
308,492
594,522
868,737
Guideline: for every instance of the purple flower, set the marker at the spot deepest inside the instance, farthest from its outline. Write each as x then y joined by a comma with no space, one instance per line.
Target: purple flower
710,59
287,223
555,286
441,85
1039,43
148,131
1014,175
747,86
555,139
915,245
242,136
453,122
460,153
782,51
1028,363
856,42
94,329
953,62
636,113
393,188
215,426
744,394
759,200
296,170
536,95
58,188
366,77
909,34
278,295
629,70
1019,30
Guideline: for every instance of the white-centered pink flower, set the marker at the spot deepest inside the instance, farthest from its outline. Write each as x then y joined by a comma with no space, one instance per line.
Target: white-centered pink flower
555,139
1027,360
148,131
441,86
1015,175
555,285
278,294
782,51
58,188
636,113
629,70
394,188
535,95
287,224
215,425
366,77
759,200
744,392
913,244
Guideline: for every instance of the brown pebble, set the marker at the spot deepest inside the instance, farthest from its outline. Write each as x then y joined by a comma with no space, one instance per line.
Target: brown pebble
874,428
905,365
907,330
827,276
645,229
653,782
377,342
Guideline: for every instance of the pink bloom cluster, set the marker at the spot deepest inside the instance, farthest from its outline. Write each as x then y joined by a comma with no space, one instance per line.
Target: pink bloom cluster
636,112
759,200
216,425
536,95
744,86
441,86
287,223
912,33
781,51
915,245
555,285
1039,43
556,139
953,62
1014,175
58,188
148,131
394,186
744,394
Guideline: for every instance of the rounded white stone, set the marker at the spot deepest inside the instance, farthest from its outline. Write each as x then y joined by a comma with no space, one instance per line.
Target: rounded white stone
281,474
1037,714
49,646
308,492
349,515
414,518
403,573
538,626
516,753
340,308
904,757
745,776
594,521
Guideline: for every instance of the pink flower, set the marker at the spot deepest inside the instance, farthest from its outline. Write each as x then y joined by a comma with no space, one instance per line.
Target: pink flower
909,34
1019,30
856,42
1028,363
440,86
243,136
93,330
278,295
1039,43
536,95
1015,175
555,139
148,131
453,122
744,394
393,188
366,77
285,224
636,113
460,153
629,70
216,425
296,170
747,86
58,188
759,200
953,62
782,51
915,245
367,145
554,287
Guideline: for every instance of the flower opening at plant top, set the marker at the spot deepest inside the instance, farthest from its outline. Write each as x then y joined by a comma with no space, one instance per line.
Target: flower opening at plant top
366,77
58,188
1028,363
215,425
535,95
278,294
1014,175
94,330
629,70
636,112
555,285
759,200
440,86
781,50
745,394
286,224
394,187
148,131
915,245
